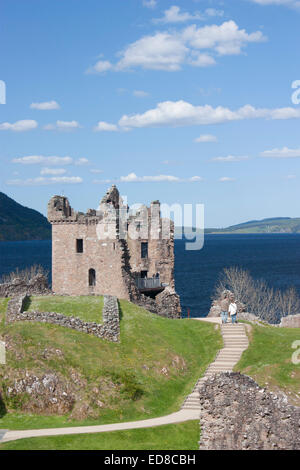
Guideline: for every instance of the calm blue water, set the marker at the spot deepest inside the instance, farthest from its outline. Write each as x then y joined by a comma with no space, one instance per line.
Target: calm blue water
275,258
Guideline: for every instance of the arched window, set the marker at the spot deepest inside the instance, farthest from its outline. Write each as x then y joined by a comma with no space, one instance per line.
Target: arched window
92,277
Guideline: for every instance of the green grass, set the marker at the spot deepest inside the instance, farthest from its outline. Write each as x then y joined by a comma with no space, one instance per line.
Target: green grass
183,436
3,307
269,360
85,308
148,374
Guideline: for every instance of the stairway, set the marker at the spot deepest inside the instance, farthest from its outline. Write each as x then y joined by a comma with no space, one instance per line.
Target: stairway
235,342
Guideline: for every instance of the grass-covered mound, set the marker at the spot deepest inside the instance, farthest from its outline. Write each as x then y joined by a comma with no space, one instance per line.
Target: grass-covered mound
269,360
182,436
85,308
148,374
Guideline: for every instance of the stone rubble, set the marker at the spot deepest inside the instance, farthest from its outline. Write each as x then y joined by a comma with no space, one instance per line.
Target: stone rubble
237,414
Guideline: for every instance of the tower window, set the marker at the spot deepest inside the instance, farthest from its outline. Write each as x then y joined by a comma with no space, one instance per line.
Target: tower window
144,250
92,277
79,245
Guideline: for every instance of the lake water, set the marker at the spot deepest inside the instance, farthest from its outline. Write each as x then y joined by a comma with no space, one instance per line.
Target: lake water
275,258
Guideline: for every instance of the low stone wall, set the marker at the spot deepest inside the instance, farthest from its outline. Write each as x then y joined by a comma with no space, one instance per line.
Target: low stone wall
36,286
290,321
237,414
109,329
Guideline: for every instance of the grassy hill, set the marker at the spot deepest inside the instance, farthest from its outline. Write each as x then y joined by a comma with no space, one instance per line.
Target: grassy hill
268,360
20,223
148,374
274,225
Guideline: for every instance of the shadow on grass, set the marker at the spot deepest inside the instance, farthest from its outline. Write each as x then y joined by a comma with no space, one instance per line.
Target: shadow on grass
27,304
3,410
120,311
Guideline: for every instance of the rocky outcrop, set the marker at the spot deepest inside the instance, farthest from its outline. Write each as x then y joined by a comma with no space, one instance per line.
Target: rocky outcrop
49,393
237,414
109,329
290,321
38,285
168,303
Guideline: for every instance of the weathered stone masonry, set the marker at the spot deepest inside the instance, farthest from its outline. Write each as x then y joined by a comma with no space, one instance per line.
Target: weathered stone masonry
237,414
91,255
109,329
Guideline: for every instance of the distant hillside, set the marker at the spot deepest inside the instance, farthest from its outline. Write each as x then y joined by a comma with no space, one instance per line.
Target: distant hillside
20,223
274,225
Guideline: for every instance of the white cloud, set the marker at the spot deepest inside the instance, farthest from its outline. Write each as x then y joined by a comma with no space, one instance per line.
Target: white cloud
175,15
230,158
101,66
291,177
226,179
62,126
105,127
150,3
182,113
214,12
162,51
140,93
96,170
206,138
40,159
19,126
81,161
285,152
201,60
132,177
169,50
41,181
196,178
53,171
287,3
45,106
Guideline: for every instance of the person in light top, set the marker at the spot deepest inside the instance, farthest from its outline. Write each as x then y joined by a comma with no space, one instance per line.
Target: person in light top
224,307
233,311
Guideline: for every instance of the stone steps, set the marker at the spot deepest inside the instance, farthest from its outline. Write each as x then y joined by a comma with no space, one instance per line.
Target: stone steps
235,342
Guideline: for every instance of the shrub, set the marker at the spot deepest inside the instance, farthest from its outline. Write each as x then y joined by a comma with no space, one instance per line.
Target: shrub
25,274
267,303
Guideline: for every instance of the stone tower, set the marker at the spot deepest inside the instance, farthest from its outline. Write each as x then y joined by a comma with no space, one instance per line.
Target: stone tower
110,250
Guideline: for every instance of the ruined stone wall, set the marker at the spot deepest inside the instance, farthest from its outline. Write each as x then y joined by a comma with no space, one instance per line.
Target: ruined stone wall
109,329
237,414
290,321
70,270
160,258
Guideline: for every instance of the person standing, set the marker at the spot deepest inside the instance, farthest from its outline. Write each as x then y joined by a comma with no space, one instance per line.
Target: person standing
224,307
233,311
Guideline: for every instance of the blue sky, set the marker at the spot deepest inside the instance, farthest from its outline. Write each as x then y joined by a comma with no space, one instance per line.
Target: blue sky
183,101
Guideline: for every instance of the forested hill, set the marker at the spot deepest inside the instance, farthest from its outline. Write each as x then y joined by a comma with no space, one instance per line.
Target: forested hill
274,225
21,223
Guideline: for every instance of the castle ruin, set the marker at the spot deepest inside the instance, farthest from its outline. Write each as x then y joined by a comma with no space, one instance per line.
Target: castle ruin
114,251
